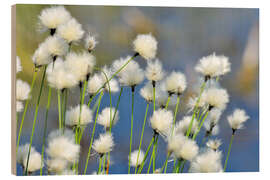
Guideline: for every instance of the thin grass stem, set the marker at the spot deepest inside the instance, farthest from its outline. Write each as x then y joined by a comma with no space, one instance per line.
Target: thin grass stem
140,145
131,128
25,109
93,133
228,153
45,126
35,118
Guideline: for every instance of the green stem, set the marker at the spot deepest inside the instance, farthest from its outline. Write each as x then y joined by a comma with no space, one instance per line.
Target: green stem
25,109
228,153
195,109
146,154
45,126
120,69
154,154
59,109
154,95
175,113
145,116
168,101
35,118
100,163
166,162
93,133
183,166
150,163
178,166
65,108
131,128
196,133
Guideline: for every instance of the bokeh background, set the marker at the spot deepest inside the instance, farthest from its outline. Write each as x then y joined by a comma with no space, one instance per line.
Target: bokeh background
184,35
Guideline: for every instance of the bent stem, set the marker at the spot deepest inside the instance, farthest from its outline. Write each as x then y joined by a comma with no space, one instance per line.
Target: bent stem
45,126
35,118
131,128
145,116
93,133
228,153
195,109
175,113
25,109
114,74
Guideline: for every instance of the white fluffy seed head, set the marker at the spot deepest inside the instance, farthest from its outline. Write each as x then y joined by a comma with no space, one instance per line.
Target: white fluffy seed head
35,161
237,119
57,165
19,106
51,18
22,90
42,55
176,83
183,125
73,116
90,42
94,84
188,150
213,144
147,92
104,143
216,97
56,46
175,142
59,77
162,96
71,31
113,85
105,117
136,158
80,64
154,71
209,161
18,64
161,121
127,75
146,46
63,146
213,65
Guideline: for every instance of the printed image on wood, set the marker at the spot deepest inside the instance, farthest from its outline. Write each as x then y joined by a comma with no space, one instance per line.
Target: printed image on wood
134,90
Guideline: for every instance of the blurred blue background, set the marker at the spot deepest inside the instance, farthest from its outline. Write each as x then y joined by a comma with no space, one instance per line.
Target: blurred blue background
184,35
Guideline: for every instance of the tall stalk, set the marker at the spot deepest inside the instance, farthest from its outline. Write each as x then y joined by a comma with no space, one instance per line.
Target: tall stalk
25,109
229,151
200,126
35,118
144,121
168,101
195,109
154,154
45,126
146,154
166,162
93,133
100,163
59,109
131,128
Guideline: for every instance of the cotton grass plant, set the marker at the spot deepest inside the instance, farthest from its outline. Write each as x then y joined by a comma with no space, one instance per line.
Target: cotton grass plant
65,70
